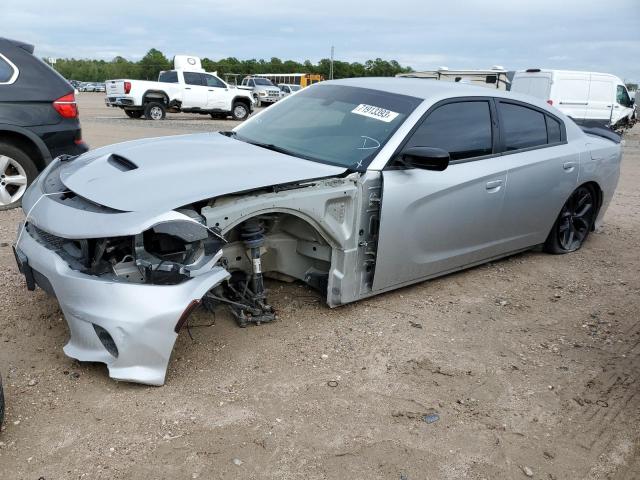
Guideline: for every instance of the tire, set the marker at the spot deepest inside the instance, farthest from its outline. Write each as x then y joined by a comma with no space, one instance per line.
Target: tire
133,113
575,221
239,111
155,111
17,171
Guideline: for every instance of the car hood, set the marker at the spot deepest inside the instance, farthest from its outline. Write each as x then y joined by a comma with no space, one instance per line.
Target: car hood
160,174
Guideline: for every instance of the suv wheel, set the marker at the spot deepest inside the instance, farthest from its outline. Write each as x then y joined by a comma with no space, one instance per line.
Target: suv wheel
239,111
133,113
155,111
17,171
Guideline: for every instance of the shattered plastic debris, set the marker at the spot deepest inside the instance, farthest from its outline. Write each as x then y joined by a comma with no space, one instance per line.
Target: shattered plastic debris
431,417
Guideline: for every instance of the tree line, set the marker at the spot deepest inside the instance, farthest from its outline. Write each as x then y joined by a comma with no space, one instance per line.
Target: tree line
148,67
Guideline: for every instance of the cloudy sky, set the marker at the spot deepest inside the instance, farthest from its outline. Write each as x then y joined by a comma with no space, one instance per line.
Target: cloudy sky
571,34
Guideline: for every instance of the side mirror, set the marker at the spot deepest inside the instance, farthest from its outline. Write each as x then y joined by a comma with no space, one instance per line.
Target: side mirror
425,158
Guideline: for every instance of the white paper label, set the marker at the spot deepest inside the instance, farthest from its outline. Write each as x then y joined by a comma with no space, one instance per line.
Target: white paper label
375,112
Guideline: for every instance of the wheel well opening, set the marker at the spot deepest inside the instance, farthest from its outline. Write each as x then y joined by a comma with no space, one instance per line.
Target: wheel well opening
599,196
245,101
26,145
155,97
293,250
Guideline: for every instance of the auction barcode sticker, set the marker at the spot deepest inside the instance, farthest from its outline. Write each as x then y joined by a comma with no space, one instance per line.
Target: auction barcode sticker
375,112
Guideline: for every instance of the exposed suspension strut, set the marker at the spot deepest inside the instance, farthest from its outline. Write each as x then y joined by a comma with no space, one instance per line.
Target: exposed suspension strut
247,299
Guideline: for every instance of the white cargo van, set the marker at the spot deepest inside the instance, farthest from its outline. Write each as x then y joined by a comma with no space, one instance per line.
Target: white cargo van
591,99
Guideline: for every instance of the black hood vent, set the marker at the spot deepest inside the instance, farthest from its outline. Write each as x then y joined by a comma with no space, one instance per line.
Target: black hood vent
121,163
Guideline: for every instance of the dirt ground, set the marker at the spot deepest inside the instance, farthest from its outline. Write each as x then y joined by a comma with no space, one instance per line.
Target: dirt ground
531,365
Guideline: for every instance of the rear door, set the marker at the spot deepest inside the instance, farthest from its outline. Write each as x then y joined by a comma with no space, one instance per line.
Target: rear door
542,169
535,84
195,93
601,100
433,222
570,94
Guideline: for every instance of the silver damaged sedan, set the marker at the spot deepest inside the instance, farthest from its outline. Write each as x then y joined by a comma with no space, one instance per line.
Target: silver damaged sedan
355,187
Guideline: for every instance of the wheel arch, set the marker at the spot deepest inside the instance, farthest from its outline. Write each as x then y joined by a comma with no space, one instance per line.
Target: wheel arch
154,95
595,186
327,237
241,99
27,141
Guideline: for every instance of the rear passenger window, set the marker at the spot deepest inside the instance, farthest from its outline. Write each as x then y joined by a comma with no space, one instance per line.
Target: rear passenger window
522,127
191,78
6,71
463,129
168,77
553,130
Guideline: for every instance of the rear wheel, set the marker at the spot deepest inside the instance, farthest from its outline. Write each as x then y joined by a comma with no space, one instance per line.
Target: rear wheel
155,111
239,111
574,223
17,171
133,113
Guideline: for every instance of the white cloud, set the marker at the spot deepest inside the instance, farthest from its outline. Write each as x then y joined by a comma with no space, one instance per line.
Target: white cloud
572,34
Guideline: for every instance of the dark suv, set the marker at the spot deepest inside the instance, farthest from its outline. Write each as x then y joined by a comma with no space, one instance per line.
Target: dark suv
38,119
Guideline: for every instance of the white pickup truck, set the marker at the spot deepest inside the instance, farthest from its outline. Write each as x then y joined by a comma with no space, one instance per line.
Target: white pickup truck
188,88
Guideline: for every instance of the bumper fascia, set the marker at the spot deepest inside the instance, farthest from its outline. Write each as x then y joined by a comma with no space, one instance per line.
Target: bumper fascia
140,318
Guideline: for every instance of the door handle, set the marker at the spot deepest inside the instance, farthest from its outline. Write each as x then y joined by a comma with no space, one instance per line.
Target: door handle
211,90
187,88
494,185
569,166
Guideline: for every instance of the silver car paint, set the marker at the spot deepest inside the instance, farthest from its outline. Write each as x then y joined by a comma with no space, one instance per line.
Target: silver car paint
176,171
449,233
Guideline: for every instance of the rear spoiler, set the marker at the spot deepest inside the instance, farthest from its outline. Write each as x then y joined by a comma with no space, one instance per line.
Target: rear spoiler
602,132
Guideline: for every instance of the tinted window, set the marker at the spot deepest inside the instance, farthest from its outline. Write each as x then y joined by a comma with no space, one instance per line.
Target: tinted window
168,77
463,129
553,130
622,97
334,124
191,78
6,71
522,127
213,81
264,82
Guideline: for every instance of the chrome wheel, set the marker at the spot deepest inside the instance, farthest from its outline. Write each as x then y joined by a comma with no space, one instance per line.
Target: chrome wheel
13,180
156,113
576,219
240,111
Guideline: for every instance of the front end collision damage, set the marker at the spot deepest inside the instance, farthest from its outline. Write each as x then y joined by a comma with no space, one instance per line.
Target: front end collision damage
126,295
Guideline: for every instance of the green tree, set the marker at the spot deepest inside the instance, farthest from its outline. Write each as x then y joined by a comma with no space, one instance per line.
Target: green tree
152,64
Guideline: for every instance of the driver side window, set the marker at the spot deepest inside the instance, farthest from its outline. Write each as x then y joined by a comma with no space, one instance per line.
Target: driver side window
622,97
462,128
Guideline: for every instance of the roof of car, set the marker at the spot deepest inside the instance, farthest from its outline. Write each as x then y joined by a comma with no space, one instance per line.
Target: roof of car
431,89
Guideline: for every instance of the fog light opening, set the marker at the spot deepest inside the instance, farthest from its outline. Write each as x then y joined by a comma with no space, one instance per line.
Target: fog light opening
106,340
185,315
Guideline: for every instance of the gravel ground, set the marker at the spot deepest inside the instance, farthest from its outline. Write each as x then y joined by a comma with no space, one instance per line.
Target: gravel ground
526,368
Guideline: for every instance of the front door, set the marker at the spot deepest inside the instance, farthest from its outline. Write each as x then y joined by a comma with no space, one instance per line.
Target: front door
216,93
434,222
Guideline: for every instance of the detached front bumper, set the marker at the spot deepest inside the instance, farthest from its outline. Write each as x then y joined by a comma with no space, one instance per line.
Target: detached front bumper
130,327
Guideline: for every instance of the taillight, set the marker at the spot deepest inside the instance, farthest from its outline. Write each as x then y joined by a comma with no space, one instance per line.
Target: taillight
550,102
127,87
66,106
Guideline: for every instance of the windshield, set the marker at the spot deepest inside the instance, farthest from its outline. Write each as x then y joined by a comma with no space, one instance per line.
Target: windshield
294,88
334,124
264,81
